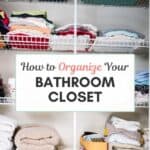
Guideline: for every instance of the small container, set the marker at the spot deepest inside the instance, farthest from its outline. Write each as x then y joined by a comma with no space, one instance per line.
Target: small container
90,145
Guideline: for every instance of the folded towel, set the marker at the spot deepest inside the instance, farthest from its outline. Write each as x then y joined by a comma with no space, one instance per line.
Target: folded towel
123,32
6,135
6,145
34,147
117,146
124,124
130,134
7,124
122,139
36,135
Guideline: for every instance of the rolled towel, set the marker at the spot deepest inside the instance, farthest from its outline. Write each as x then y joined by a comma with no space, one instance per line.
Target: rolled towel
36,135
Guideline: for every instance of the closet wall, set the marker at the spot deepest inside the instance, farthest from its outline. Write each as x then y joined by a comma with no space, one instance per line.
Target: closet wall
108,17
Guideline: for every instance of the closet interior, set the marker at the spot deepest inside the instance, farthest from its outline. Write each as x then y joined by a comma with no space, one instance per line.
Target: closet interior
102,27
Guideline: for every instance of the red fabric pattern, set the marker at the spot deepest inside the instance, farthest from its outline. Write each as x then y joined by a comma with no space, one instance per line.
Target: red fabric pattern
24,41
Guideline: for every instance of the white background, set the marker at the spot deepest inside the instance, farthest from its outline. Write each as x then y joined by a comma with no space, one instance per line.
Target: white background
30,98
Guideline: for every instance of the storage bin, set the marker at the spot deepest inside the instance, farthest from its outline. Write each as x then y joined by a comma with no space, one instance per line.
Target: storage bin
89,145
112,2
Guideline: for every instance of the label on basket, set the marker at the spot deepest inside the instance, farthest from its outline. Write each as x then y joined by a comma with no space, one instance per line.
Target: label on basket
95,82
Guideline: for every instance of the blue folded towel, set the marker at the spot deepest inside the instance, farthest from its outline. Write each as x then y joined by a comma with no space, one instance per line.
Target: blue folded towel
142,78
125,32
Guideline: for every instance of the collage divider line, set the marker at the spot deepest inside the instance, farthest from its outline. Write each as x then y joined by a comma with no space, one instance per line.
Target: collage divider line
75,52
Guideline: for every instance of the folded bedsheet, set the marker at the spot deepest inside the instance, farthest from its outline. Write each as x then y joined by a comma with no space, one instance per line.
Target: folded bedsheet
37,136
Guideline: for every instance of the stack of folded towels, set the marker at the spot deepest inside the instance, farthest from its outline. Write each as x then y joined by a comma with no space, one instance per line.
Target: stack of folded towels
124,132
114,36
7,129
30,30
86,34
142,88
4,22
36,137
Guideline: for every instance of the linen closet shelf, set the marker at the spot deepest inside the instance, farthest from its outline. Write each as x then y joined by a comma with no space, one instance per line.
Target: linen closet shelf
60,43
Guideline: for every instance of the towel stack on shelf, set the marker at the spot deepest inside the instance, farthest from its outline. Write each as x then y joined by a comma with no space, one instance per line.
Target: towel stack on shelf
4,22
30,30
126,133
146,139
7,129
121,36
142,88
86,34
36,137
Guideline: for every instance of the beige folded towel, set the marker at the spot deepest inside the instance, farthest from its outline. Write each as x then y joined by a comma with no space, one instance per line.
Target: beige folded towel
34,147
39,137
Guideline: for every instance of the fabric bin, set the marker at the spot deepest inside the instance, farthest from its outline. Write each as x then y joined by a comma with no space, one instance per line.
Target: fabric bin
89,145
112,2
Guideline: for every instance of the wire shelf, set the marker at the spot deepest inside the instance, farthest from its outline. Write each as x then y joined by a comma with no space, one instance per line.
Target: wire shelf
143,105
7,100
66,43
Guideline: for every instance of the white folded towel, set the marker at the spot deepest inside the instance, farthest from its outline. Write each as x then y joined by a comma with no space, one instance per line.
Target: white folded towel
120,138
6,135
124,124
6,145
7,124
